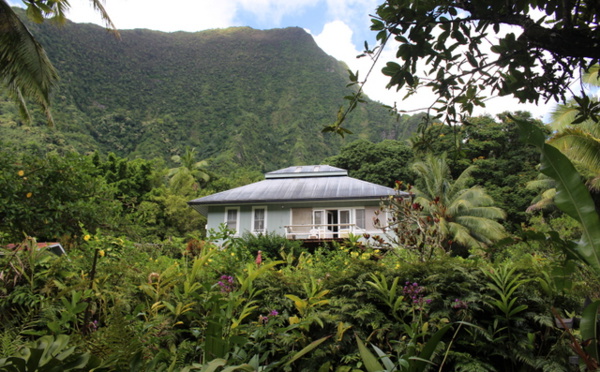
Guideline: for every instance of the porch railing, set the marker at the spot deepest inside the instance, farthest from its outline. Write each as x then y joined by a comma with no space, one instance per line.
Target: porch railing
321,231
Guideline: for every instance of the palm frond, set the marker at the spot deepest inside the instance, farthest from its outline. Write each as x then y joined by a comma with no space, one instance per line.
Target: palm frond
542,182
488,212
99,7
562,116
463,180
591,76
461,234
543,201
581,147
483,229
24,66
466,215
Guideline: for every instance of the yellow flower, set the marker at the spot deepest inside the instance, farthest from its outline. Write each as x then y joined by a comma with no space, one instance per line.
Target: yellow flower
29,194
21,173
101,253
232,254
87,237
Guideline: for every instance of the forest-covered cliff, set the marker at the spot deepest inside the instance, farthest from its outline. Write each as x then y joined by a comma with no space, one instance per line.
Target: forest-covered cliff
242,97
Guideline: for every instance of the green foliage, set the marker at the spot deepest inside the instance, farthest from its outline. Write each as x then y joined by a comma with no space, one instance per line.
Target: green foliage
381,163
572,197
466,215
51,196
49,354
451,38
270,244
150,311
502,165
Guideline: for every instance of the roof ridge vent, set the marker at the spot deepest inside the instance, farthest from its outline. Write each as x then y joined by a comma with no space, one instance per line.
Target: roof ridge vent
317,170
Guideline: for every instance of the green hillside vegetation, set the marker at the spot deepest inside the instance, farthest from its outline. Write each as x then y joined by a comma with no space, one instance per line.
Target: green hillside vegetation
242,97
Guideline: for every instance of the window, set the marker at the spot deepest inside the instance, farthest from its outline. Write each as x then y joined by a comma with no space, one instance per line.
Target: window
231,219
318,218
344,220
259,215
360,219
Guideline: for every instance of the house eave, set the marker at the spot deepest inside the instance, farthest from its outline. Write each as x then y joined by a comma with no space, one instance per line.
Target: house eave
288,201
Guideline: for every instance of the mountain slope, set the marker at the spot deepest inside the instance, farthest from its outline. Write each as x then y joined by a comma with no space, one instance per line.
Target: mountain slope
240,96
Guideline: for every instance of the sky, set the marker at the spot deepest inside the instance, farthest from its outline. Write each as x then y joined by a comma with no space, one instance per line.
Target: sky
339,27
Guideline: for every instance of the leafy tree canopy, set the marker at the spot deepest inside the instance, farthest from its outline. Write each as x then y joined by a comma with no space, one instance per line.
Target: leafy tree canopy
530,50
382,163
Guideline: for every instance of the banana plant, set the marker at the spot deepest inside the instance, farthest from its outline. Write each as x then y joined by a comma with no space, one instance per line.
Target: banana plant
572,196
574,199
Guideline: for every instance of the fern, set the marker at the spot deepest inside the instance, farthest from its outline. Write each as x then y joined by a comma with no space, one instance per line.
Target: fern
9,342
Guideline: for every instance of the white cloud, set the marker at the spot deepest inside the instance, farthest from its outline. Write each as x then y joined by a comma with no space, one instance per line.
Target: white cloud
178,15
336,40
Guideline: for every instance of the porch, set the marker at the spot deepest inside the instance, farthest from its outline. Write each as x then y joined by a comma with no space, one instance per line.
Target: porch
337,231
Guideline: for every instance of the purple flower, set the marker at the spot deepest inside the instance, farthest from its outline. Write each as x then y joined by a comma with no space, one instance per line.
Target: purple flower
226,284
228,278
413,293
459,304
274,313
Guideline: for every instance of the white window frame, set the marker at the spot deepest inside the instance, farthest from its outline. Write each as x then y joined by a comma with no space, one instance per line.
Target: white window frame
364,219
323,221
346,223
253,220
237,218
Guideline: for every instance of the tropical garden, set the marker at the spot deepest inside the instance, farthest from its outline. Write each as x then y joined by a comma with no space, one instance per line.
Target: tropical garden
491,264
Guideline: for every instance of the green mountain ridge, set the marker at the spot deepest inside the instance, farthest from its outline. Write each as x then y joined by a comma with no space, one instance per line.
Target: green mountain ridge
242,97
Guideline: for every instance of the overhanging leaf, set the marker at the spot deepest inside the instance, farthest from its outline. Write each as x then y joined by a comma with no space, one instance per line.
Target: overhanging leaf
572,196
589,320
306,350
370,361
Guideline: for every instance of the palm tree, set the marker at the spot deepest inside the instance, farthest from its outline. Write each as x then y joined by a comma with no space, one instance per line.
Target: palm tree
466,215
189,164
24,66
579,142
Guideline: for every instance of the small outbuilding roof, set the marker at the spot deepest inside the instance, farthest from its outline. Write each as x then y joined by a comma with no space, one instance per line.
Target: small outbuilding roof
297,184
53,247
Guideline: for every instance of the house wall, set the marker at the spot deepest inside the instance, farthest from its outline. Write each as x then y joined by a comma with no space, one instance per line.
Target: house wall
280,214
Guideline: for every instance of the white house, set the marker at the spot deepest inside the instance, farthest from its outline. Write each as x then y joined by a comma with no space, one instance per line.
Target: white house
303,202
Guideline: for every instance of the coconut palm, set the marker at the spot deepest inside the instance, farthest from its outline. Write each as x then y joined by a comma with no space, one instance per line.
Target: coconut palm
466,215
24,66
188,163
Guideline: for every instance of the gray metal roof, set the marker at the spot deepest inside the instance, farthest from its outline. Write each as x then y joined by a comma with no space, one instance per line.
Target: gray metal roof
307,171
330,184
